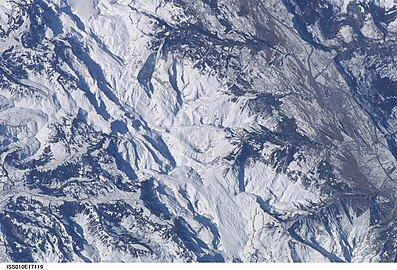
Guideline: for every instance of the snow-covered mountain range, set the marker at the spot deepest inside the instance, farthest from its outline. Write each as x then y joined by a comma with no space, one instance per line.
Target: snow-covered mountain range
198,130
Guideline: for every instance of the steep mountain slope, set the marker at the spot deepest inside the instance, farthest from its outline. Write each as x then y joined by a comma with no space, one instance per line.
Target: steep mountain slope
185,130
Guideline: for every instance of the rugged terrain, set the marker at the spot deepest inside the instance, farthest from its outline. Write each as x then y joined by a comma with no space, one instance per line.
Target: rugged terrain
198,130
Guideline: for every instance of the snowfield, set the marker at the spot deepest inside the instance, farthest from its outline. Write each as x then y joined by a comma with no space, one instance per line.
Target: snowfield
184,130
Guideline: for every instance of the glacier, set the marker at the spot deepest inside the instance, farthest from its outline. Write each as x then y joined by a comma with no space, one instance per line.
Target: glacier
198,131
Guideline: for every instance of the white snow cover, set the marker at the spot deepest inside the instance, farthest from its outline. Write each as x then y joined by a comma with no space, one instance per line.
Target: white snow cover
346,32
192,111
84,9
386,4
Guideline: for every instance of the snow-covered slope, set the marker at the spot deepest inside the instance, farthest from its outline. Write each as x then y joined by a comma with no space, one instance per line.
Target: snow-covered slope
185,130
